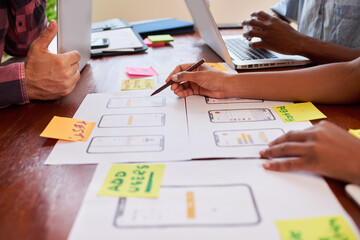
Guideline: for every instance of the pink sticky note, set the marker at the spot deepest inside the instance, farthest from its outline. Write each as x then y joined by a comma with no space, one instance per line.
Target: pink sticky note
150,44
141,71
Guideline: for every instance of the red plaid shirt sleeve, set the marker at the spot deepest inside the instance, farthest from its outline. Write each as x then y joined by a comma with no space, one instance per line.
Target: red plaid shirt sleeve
21,22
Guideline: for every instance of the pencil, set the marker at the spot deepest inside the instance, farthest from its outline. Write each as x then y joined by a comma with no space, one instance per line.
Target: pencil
189,69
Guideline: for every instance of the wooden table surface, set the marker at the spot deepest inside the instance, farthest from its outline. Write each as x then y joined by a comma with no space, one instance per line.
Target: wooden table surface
41,202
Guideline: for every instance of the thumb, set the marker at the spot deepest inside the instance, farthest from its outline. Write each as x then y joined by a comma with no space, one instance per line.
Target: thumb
47,35
187,77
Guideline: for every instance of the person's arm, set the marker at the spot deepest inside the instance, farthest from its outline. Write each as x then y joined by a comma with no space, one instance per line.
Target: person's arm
279,36
325,149
331,83
12,85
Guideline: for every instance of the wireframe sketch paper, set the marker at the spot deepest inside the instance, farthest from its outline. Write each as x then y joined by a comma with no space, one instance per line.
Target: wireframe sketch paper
130,127
219,199
220,128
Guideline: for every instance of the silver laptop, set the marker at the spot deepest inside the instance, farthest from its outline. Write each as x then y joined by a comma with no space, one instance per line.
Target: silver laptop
74,29
234,49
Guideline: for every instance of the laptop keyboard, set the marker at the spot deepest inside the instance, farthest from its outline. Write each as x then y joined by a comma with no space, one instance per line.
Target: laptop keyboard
242,50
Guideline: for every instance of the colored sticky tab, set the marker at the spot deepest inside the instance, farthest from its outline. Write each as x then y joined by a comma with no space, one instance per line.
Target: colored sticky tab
355,132
217,66
160,38
68,129
331,227
298,112
141,71
133,180
151,44
137,84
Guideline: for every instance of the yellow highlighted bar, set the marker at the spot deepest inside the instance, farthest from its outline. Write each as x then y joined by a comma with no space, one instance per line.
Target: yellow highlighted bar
263,137
128,103
244,138
250,138
190,205
130,121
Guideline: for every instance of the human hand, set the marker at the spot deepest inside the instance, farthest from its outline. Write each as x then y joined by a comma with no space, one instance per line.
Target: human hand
275,34
50,76
204,81
324,149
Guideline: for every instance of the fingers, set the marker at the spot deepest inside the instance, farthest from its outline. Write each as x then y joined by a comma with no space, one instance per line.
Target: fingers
254,23
261,15
47,35
288,149
178,69
254,33
286,166
195,77
70,84
72,57
292,136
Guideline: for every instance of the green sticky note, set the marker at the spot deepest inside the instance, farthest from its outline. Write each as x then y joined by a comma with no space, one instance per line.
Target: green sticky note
137,84
133,180
298,112
160,38
319,228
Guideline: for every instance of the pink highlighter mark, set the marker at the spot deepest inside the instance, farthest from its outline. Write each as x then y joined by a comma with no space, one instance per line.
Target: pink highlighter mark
150,44
141,71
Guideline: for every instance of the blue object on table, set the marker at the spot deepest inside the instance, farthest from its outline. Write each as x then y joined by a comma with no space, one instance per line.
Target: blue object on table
170,26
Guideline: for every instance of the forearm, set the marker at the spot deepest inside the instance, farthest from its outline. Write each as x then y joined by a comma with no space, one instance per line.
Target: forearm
12,85
325,52
332,84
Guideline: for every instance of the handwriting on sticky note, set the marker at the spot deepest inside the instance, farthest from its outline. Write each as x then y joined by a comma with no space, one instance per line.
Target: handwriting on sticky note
137,84
160,38
217,66
133,180
298,112
320,228
68,129
141,71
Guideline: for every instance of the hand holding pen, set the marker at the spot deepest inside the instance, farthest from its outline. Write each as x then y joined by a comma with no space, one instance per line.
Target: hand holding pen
189,69
203,80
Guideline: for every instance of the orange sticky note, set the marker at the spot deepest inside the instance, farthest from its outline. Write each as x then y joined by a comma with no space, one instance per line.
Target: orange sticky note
217,66
68,129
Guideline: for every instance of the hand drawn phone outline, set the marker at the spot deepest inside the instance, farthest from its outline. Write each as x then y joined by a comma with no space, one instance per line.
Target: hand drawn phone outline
268,112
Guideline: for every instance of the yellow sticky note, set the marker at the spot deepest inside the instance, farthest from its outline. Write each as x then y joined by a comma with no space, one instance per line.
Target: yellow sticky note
217,66
133,180
331,227
298,112
355,132
69,129
137,84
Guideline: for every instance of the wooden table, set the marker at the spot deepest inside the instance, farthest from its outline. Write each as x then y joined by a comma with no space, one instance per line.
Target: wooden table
41,202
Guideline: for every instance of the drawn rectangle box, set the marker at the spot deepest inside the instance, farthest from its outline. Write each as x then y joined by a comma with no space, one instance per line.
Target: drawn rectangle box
240,115
132,120
126,144
136,102
231,100
246,137
231,205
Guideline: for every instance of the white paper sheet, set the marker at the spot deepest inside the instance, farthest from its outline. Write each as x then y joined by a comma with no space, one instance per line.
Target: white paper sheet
220,128
130,127
232,199
119,39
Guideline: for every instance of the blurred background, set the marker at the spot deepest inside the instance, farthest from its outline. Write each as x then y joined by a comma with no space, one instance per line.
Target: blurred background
224,11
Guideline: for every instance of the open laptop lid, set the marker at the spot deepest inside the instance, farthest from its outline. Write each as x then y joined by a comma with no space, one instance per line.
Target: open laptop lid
74,28
208,30
207,27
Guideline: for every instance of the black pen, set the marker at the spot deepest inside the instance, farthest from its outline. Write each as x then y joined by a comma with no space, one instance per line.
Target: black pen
191,68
